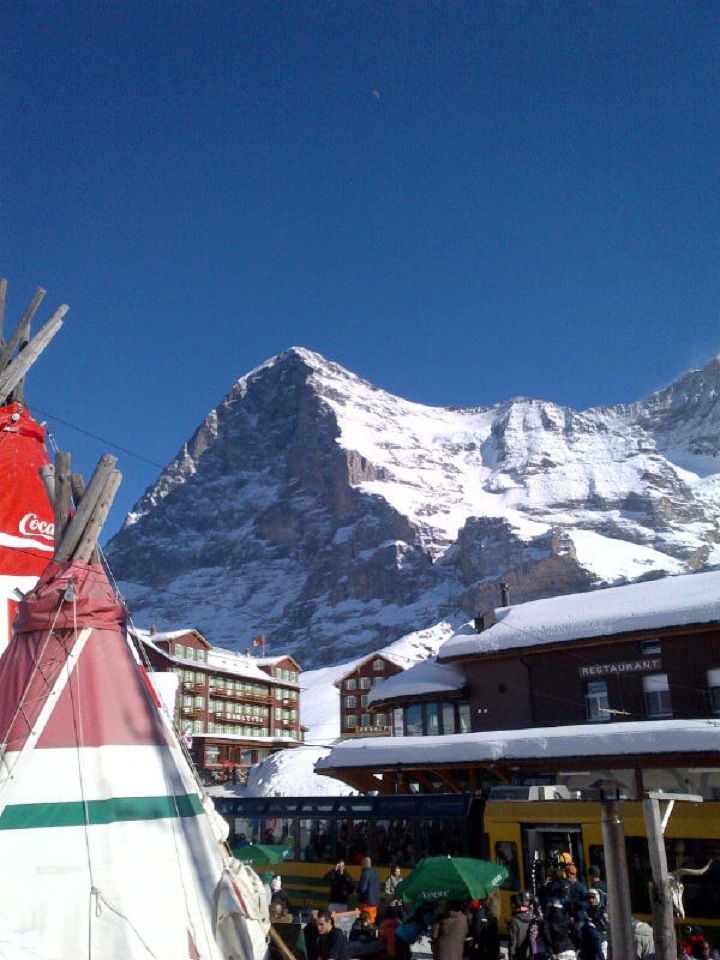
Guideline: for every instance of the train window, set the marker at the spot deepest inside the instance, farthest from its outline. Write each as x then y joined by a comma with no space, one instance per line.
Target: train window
353,840
314,839
400,845
506,854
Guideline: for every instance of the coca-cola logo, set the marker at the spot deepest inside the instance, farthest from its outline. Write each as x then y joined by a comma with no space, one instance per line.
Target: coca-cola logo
32,526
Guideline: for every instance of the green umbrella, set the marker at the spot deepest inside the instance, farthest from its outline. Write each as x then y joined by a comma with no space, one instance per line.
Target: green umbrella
451,878
259,854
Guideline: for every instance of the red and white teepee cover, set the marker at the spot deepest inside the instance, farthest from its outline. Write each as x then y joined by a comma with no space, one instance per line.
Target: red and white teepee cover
26,516
107,850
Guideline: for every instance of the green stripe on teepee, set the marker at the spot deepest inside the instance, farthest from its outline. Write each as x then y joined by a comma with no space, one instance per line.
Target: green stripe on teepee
26,816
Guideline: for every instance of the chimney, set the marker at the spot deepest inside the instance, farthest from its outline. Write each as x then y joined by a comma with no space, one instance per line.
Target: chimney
153,629
483,621
504,594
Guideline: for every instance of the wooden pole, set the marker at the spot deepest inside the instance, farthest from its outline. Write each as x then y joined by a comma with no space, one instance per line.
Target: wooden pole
618,884
22,329
87,544
14,370
62,495
661,894
76,528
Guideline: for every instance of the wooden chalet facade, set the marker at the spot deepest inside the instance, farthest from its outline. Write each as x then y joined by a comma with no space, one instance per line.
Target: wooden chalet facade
356,719
232,710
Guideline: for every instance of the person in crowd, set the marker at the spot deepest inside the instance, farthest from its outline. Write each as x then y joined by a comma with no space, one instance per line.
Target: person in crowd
594,882
362,930
311,936
391,944
484,928
449,932
332,942
369,889
519,927
341,887
278,913
556,928
394,878
577,902
644,939
417,924
279,894
700,949
597,914
591,944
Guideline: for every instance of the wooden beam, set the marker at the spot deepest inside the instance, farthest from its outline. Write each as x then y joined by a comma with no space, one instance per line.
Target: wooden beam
22,329
62,495
76,528
88,541
14,371
47,475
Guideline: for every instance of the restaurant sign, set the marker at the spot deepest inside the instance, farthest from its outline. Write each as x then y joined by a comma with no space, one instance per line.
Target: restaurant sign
626,666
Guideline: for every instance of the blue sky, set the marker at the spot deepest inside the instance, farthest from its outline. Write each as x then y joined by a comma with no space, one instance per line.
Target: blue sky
459,201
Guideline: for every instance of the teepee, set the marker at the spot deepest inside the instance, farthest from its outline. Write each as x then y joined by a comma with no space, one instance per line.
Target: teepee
109,849
26,514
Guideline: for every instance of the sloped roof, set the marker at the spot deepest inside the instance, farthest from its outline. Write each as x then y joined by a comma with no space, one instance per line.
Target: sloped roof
657,604
422,678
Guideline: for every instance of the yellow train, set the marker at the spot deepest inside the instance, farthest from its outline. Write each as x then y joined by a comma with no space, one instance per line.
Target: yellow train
529,836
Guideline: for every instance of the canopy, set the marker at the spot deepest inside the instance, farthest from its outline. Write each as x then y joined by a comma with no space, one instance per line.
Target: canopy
261,854
451,878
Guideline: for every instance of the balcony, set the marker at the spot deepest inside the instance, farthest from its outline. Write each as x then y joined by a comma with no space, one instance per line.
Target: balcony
193,687
239,698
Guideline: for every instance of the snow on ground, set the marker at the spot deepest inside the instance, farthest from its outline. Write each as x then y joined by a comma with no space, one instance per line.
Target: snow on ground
290,773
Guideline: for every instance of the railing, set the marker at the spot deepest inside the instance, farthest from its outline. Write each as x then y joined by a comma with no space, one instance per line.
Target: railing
239,698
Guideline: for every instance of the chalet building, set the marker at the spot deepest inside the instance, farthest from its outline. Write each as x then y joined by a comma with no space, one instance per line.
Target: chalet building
622,682
232,710
355,686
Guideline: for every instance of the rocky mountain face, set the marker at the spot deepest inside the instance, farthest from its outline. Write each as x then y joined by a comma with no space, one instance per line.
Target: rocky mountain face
333,517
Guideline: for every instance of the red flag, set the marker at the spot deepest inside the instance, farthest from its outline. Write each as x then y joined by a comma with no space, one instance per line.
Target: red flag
259,640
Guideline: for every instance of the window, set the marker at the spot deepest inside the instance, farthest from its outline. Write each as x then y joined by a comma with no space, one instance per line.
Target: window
365,683
351,683
597,704
713,681
351,721
657,696
366,721
651,646
363,700
413,720
378,665
350,703
506,855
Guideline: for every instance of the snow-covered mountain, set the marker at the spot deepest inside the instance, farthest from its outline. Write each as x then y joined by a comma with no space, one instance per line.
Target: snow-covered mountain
335,518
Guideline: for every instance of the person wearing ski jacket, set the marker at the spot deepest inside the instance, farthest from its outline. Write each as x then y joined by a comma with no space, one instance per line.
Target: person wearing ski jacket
449,933
556,932
369,889
341,886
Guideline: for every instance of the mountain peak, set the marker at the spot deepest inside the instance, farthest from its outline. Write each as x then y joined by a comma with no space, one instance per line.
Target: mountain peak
332,516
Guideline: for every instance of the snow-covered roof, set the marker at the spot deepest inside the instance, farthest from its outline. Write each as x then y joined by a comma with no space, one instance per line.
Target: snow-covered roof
396,659
428,676
592,740
669,602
